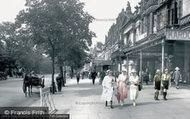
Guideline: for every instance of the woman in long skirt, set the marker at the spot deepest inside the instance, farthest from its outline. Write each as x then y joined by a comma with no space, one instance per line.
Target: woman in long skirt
177,77
134,82
122,87
108,87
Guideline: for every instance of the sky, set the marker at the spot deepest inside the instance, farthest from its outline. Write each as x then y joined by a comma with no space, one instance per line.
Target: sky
100,9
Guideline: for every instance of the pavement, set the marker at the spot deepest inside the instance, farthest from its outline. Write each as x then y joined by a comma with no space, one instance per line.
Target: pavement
83,101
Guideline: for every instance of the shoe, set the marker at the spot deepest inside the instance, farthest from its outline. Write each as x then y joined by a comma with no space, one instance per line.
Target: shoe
134,104
121,104
111,106
164,95
106,104
156,96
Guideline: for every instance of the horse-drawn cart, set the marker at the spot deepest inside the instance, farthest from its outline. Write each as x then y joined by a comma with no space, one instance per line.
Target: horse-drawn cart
32,81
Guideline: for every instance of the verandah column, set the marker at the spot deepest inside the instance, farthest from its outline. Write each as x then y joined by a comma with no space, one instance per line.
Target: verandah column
127,67
141,66
163,52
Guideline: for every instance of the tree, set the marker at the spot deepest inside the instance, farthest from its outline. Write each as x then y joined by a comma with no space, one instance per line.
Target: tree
55,25
18,45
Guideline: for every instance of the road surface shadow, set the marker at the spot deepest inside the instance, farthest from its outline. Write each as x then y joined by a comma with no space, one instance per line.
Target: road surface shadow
88,92
137,104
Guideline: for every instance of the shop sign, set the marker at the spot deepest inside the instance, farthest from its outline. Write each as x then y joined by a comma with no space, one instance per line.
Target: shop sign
178,35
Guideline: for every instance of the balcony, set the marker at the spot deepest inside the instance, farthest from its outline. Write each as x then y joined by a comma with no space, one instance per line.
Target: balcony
184,20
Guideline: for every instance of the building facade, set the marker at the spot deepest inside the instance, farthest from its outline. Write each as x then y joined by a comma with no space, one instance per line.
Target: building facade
155,36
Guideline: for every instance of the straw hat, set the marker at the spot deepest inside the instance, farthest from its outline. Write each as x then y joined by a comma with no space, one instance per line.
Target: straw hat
177,68
133,71
108,71
124,70
158,71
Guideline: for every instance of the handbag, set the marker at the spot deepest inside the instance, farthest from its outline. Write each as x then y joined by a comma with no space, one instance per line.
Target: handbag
139,86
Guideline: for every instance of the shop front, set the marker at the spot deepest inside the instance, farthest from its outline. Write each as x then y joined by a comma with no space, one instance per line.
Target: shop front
166,49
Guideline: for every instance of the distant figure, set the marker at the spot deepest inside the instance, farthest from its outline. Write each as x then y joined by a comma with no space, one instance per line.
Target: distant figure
33,74
108,88
93,76
78,77
146,76
83,74
102,75
177,77
59,80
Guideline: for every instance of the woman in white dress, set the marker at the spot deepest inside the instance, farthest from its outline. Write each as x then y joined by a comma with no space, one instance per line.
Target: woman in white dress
134,81
108,87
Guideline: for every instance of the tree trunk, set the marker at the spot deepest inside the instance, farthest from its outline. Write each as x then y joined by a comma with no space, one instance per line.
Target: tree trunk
53,71
72,72
62,75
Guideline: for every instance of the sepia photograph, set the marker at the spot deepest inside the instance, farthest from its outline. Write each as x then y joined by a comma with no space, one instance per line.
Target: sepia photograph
94,59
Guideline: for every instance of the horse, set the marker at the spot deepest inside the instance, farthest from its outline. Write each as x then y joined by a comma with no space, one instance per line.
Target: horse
29,82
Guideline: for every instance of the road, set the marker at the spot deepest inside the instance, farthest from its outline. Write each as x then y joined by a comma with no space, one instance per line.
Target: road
11,94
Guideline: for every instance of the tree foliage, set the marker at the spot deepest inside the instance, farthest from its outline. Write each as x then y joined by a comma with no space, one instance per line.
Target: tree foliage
17,44
60,26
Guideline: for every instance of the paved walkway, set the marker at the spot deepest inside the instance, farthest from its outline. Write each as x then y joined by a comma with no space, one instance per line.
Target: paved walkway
83,102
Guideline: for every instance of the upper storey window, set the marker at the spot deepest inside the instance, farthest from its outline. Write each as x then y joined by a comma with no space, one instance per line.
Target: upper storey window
174,12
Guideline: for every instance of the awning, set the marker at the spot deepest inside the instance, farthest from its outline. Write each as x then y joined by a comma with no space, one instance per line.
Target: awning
102,62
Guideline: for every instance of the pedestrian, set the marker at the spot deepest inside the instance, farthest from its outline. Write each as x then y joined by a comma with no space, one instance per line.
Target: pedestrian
134,82
122,87
102,75
177,77
165,82
157,83
93,76
108,88
83,73
146,76
78,77
59,80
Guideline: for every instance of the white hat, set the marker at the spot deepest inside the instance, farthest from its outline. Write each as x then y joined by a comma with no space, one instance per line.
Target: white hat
177,68
124,70
158,70
133,71
108,71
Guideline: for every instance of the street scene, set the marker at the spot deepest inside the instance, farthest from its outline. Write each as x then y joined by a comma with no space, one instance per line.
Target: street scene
85,59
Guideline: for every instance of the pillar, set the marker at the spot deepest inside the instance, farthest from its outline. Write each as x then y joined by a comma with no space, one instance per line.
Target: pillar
141,66
163,52
186,63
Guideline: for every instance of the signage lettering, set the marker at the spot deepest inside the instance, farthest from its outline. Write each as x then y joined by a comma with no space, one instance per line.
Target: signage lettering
177,35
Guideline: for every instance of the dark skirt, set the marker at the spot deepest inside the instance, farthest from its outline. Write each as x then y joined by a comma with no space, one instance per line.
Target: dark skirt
157,85
165,84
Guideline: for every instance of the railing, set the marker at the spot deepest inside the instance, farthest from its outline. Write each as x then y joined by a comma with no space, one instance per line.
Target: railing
184,20
46,99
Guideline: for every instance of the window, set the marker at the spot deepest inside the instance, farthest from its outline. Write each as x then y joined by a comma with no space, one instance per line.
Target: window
155,23
180,9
